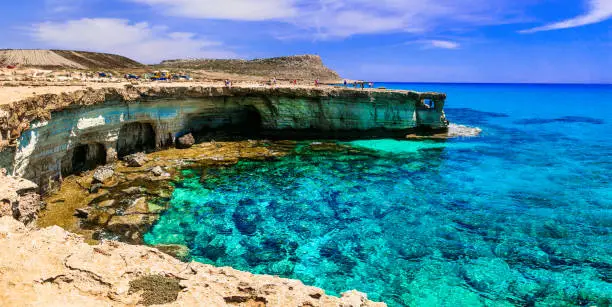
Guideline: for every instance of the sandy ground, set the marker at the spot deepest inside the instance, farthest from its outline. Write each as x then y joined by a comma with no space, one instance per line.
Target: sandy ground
36,58
10,94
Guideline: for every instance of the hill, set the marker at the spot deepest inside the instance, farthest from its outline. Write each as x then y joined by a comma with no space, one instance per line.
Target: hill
62,59
301,67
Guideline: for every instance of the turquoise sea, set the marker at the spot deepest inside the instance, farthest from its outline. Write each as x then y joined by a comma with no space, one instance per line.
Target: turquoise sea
519,216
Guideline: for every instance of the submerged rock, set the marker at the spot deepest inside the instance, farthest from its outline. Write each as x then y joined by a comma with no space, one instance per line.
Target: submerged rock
136,160
185,141
178,251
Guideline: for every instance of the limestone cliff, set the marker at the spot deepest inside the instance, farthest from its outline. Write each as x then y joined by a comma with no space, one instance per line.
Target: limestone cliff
51,267
53,135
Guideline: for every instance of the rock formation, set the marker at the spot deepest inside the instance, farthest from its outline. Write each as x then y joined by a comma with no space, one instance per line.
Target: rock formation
18,198
51,267
55,135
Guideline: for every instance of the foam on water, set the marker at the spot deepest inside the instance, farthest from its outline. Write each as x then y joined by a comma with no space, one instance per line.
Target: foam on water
521,215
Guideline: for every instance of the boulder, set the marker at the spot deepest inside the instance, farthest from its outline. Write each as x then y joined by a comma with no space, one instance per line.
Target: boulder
136,160
103,174
18,198
157,171
185,141
99,217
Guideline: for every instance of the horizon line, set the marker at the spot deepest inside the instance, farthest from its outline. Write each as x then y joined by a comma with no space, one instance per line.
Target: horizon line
493,83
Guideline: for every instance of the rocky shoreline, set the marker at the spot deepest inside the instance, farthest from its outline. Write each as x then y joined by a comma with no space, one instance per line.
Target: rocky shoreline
62,270
84,268
121,191
124,199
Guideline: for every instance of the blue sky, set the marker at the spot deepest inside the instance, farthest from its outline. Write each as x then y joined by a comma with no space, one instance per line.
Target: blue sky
540,41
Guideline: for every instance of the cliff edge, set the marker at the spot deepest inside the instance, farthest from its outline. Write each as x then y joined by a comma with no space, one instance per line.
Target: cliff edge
52,267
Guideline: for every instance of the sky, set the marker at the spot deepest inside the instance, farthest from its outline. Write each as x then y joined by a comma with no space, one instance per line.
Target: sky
505,41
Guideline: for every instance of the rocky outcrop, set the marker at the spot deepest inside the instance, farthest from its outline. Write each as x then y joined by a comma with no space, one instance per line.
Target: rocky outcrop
62,270
18,198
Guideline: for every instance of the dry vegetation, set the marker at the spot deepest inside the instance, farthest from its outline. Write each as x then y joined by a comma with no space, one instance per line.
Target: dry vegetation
301,67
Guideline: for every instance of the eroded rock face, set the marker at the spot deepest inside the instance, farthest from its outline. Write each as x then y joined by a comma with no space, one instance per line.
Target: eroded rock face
62,270
18,198
50,134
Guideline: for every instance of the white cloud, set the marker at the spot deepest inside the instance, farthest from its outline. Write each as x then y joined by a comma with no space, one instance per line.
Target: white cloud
332,18
599,10
140,41
435,44
63,6
252,10
443,44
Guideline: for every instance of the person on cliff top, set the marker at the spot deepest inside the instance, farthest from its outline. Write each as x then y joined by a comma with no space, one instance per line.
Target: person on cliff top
345,83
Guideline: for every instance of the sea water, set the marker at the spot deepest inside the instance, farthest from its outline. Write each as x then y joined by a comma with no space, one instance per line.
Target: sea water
519,216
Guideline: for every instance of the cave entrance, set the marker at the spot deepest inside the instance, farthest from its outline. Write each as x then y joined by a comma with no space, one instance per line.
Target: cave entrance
251,123
135,137
87,157
225,124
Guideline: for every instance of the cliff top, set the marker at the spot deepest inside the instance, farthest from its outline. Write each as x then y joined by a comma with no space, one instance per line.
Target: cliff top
26,90
64,59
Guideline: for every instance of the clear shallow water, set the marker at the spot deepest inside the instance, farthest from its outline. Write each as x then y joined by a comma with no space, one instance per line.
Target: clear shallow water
519,216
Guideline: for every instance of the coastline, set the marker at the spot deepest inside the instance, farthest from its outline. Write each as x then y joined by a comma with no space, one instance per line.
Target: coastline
24,111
